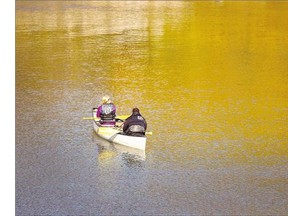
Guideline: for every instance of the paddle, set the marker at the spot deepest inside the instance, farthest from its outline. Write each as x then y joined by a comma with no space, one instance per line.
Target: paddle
117,117
90,118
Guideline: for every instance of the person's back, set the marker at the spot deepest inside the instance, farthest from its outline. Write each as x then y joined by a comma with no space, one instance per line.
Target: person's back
107,112
136,124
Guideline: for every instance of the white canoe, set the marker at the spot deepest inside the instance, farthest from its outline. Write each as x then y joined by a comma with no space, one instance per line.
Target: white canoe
112,134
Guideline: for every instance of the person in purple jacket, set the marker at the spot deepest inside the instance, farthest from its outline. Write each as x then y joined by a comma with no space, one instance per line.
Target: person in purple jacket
106,111
135,125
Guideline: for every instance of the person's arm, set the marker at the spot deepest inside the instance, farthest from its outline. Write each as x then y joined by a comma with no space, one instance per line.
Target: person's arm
99,111
145,123
126,124
114,109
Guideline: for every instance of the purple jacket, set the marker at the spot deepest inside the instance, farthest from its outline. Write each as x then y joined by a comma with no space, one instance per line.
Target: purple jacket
107,113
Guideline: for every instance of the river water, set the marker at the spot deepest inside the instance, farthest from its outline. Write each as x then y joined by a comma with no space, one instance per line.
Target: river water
209,77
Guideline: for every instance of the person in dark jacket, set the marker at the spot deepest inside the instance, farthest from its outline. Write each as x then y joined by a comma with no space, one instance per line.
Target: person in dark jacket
107,111
135,125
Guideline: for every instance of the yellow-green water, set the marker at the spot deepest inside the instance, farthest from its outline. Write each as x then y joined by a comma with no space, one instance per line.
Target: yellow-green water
209,77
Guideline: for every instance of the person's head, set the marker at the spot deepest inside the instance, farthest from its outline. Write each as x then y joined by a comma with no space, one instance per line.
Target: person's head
106,99
135,111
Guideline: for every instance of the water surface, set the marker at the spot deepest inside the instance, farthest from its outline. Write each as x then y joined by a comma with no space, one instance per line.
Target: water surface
209,77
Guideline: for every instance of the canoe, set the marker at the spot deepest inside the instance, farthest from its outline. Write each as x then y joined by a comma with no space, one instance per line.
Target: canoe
113,134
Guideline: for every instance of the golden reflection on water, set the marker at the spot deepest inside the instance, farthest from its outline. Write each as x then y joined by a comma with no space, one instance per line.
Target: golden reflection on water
209,77
217,70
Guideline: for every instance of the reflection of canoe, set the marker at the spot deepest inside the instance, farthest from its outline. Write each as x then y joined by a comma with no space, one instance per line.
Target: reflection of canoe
113,134
109,150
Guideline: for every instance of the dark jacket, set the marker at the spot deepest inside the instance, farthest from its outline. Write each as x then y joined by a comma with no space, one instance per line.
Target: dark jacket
135,125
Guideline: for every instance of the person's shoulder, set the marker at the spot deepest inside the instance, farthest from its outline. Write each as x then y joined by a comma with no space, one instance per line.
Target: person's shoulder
140,117
131,116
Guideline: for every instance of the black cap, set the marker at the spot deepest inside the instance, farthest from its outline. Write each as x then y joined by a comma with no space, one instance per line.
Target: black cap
135,110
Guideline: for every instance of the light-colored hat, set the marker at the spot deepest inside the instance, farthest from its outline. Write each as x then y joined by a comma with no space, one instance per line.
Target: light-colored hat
106,99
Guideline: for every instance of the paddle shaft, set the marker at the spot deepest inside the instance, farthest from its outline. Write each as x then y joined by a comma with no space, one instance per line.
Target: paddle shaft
95,118
118,117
